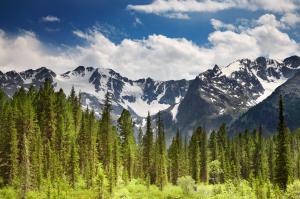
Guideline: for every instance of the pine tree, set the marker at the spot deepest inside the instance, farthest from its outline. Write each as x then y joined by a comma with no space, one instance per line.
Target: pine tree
282,166
271,159
82,143
101,182
223,151
115,164
106,136
128,145
161,155
25,169
47,121
14,150
194,157
174,154
213,146
139,163
185,158
203,155
73,165
148,152
259,157
91,148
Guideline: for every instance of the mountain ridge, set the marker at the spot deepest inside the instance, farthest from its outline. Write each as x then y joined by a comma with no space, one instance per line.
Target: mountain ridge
220,94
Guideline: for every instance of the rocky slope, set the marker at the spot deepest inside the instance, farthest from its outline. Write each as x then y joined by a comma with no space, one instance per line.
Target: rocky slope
266,112
139,96
221,94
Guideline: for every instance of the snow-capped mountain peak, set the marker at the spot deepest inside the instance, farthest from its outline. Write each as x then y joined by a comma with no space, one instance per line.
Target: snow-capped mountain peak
221,92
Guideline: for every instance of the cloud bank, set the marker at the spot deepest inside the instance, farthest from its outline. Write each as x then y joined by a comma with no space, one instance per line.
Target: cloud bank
157,56
182,7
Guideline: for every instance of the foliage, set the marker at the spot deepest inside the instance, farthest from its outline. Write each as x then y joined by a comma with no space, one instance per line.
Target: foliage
187,184
51,148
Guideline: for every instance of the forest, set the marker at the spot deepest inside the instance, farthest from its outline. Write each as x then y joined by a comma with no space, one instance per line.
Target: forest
50,147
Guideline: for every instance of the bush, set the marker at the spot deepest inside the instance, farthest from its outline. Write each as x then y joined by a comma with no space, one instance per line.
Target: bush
8,193
187,184
293,190
215,171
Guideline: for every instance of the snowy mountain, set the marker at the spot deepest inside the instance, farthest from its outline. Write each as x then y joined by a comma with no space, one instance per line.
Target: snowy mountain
223,93
218,95
266,112
139,96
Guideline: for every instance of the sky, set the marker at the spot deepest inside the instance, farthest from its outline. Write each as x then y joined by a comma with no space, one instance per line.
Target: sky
162,39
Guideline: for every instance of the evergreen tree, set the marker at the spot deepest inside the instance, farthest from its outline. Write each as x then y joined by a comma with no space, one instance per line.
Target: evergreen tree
73,165
106,135
259,157
282,165
174,154
213,146
148,152
14,150
194,157
203,154
161,155
139,163
128,145
47,121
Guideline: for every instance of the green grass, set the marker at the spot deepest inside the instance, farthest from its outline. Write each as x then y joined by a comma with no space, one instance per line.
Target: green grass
138,190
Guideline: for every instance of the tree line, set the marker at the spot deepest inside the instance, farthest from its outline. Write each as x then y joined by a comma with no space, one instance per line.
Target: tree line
47,139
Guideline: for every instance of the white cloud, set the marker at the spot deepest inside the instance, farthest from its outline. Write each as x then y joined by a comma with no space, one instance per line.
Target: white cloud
162,7
176,15
181,6
50,18
26,51
218,25
157,56
291,19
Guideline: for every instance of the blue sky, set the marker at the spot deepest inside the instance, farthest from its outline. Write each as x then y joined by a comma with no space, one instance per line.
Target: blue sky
138,38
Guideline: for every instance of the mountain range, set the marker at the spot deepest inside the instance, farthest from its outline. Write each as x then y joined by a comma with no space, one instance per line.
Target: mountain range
240,94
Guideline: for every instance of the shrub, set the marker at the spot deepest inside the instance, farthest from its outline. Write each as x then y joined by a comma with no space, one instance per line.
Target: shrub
187,184
8,193
293,190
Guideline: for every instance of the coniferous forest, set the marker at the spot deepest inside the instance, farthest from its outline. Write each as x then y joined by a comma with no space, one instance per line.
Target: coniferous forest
50,147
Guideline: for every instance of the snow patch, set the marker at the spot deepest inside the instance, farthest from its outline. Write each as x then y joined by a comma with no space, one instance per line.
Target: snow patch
174,111
269,86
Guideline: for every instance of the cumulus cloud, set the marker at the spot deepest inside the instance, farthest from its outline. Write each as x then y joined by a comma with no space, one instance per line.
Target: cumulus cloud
290,19
181,6
162,7
26,51
50,18
157,56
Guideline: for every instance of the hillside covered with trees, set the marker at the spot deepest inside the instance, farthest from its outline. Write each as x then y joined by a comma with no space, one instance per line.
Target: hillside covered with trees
51,148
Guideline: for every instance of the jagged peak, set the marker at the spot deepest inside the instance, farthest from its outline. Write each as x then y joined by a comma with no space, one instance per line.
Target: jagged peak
12,72
79,69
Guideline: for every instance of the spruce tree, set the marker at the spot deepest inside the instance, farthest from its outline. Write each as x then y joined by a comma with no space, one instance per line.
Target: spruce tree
161,155
203,155
106,135
148,152
259,157
128,145
213,146
194,157
282,163
174,154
